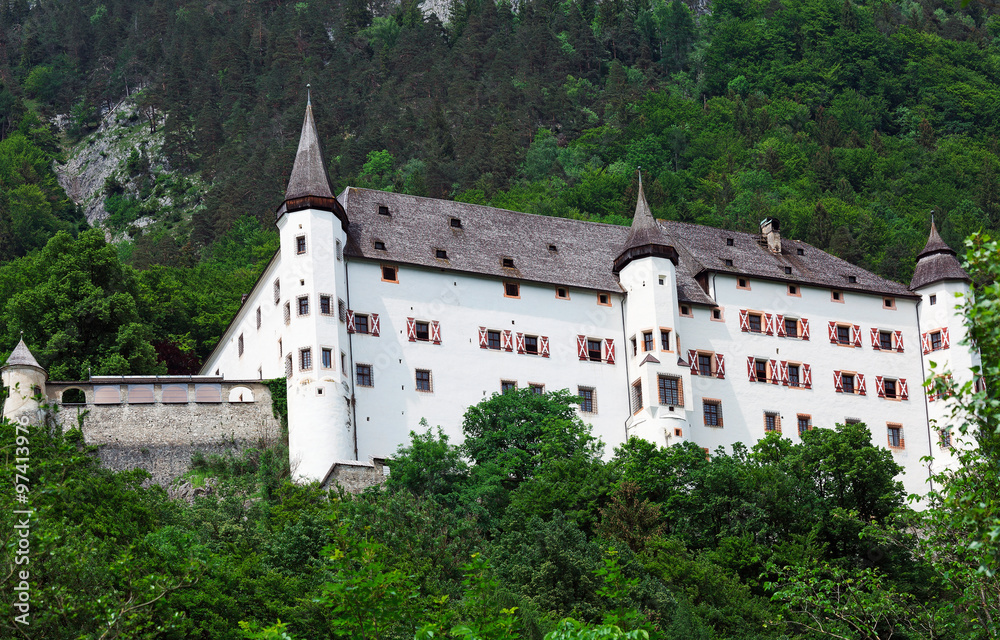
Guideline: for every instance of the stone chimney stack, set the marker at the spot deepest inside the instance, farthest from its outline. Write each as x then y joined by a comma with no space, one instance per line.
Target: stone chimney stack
770,234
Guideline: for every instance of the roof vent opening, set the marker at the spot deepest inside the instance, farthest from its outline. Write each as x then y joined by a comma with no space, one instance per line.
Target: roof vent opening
729,262
788,270
852,279
729,242
379,245
770,234
383,210
456,223
553,248
441,253
508,263
800,252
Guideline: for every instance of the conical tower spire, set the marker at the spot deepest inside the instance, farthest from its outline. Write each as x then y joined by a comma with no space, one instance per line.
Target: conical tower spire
936,262
309,171
21,356
646,237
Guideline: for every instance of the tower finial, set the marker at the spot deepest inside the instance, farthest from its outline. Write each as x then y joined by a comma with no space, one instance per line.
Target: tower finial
309,100
640,175
932,216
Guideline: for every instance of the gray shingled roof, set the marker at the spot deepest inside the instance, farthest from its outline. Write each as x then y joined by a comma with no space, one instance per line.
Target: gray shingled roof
936,262
21,355
584,251
309,176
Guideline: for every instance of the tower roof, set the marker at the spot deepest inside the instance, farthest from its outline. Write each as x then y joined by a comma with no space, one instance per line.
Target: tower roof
309,171
21,356
936,262
646,238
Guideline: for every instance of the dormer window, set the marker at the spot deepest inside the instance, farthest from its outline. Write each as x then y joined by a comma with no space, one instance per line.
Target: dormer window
383,210
380,245
456,223
729,242
800,252
508,263
729,262
852,279
441,254
788,270
552,248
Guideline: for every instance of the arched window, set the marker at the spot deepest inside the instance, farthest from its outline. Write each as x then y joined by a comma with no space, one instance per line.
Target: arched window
74,396
107,394
240,394
140,394
175,394
208,393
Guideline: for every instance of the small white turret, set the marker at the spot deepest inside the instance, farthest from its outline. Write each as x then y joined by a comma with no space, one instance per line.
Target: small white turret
24,380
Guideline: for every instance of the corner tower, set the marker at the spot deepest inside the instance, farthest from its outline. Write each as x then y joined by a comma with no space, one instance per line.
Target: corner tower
24,380
659,386
311,284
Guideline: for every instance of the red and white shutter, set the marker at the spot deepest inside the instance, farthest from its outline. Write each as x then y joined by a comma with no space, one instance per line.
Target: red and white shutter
775,372
807,376
609,350
411,329
856,330
833,331
804,326
375,325
751,369
783,372
436,332
350,321
508,341
744,320
899,341
769,324
519,342
693,361
862,389
876,344
838,382
945,339
581,347
780,320
904,393
925,342
720,366
880,386
543,346
484,342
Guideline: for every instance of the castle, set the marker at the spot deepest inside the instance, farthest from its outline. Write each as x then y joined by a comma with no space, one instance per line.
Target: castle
381,309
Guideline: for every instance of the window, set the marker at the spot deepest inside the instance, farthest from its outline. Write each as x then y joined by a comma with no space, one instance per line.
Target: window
594,350
562,293
754,320
280,350
383,210
729,242
945,439
508,385
670,390
804,423
588,399
303,305
379,245
507,263
662,280
300,245
361,323
258,317
729,262
288,312
885,340
305,359
537,389
788,270
635,347
760,370
935,340
326,358
423,330
742,283
604,299
836,296
847,382
340,251
647,340
531,345
686,311
441,254
364,377
895,435
772,421
852,279
288,366
888,303
791,327
456,223
843,335
277,291
637,396
239,345
793,375
423,380
933,299
324,305
389,274
553,248
704,364
890,388
665,339
343,362
712,412
493,340
793,290
511,290
800,252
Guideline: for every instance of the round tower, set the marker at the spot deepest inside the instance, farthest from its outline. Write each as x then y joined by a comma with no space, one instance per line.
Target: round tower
647,270
312,227
24,382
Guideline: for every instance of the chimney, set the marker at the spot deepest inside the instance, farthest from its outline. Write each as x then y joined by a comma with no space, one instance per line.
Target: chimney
770,234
